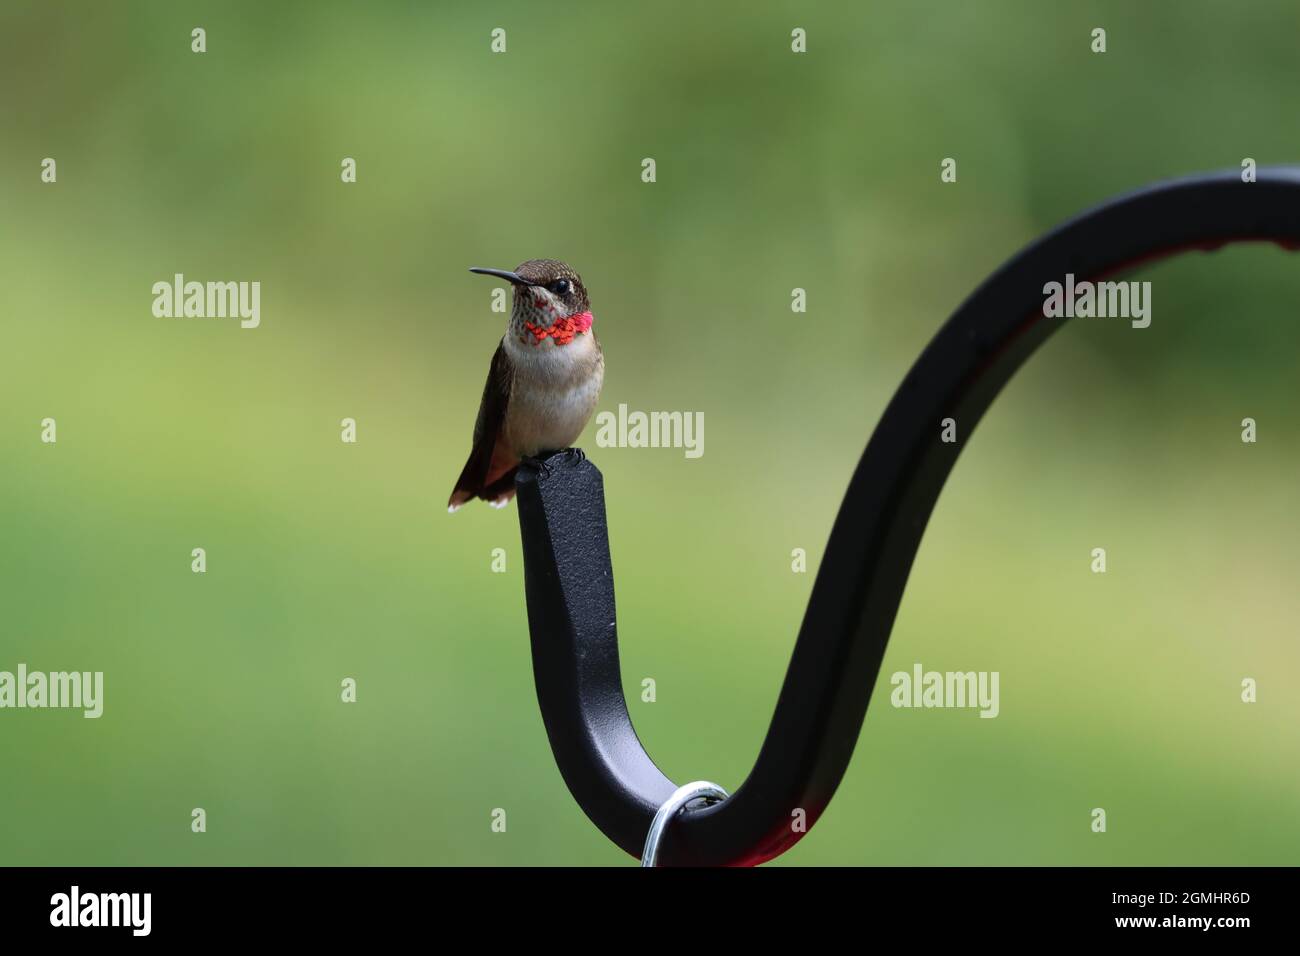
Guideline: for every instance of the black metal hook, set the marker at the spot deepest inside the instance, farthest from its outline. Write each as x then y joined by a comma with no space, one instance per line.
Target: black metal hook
570,586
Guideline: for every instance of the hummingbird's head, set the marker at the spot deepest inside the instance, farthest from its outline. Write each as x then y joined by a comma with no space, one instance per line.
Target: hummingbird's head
546,291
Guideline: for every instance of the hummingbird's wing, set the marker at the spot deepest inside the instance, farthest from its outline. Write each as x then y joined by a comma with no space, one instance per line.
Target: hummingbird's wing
474,477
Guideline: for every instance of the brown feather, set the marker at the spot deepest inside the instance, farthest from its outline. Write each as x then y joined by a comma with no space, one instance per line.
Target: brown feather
488,464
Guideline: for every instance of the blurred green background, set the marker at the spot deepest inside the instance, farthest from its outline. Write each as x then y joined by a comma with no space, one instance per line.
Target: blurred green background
775,171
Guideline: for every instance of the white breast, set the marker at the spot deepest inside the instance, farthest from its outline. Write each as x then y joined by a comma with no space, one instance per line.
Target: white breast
554,392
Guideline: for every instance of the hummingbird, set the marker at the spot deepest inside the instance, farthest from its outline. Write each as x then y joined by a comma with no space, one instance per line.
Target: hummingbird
542,385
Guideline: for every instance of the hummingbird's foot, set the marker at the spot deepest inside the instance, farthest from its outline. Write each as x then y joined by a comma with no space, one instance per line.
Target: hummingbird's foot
542,468
578,452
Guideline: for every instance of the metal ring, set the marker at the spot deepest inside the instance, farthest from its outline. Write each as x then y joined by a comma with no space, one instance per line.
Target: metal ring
671,807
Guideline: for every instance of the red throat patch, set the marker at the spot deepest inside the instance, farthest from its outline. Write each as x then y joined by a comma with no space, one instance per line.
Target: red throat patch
561,330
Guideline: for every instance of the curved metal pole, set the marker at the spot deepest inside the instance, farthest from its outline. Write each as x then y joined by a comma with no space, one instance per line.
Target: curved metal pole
569,581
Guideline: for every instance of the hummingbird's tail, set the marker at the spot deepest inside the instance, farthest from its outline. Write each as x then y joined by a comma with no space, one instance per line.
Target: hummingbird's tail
492,480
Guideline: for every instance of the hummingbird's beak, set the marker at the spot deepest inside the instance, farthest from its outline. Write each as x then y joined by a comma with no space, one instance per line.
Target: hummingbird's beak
512,277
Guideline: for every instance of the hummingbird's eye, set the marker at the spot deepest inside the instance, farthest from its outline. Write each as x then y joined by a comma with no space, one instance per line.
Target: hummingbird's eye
560,286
